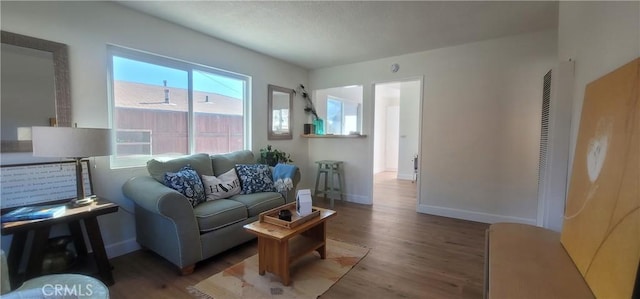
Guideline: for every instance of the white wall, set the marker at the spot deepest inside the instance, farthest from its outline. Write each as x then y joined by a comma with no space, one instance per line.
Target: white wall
599,37
409,127
481,126
480,131
87,28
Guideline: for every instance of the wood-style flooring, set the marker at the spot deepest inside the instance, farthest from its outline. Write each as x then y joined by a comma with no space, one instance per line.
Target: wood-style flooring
412,255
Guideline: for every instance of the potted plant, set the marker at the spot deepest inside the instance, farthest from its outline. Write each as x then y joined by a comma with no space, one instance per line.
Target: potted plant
272,156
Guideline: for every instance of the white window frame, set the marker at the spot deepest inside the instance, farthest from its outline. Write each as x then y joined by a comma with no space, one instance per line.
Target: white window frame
147,57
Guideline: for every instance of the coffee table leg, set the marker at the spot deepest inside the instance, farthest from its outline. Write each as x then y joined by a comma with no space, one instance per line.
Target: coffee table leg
284,262
322,234
262,252
273,256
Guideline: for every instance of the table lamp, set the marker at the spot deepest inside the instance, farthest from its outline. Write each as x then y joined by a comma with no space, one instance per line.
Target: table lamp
72,143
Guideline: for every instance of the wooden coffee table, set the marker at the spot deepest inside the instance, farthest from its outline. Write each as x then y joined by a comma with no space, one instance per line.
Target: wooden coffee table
279,247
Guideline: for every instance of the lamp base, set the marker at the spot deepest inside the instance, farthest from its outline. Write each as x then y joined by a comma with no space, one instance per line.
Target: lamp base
82,202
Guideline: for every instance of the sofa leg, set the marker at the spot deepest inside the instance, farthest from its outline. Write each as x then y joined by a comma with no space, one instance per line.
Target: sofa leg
187,270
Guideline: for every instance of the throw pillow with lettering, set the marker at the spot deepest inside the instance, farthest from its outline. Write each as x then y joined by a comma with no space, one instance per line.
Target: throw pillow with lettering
223,186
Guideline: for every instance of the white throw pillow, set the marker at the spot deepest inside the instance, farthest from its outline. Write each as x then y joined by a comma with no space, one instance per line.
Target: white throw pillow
223,186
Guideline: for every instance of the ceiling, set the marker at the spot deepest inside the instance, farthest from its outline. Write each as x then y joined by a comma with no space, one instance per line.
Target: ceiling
315,34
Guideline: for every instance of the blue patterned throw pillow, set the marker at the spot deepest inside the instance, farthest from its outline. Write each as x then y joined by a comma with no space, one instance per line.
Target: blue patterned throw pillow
255,178
187,181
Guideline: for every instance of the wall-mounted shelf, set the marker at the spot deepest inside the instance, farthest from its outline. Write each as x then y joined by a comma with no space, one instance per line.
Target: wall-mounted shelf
332,136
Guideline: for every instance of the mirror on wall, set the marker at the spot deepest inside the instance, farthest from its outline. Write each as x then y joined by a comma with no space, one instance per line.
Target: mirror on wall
280,120
35,88
341,109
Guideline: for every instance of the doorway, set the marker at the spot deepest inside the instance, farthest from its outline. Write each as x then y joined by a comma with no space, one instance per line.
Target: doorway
396,137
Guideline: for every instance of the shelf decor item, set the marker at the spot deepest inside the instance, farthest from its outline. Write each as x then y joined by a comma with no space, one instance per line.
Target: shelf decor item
273,216
284,215
309,129
318,123
303,202
309,108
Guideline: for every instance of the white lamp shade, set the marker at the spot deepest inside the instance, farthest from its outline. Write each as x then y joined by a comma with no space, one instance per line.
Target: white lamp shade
67,142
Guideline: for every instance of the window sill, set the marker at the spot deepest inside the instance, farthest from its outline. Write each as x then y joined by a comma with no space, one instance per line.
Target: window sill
332,136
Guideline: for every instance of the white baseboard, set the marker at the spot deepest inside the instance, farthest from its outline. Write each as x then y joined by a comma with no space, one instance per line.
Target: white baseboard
361,199
472,215
122,247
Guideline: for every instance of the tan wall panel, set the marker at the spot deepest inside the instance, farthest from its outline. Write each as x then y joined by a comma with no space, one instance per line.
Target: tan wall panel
601,229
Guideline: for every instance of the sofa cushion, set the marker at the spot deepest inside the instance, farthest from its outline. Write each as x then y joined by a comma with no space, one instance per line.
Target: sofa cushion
257,203
224,162
188,183
199,162
222,186
215,214
255,178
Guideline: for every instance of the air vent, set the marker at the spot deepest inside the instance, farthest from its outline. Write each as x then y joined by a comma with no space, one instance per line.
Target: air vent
544,129
555,132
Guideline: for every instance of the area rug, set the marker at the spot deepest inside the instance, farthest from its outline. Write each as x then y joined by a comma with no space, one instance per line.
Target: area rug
310,276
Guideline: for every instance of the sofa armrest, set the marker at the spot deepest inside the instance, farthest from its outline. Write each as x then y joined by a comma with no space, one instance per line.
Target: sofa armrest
165,221
157,198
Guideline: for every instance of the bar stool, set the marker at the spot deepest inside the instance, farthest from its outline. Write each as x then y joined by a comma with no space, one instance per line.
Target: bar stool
330,169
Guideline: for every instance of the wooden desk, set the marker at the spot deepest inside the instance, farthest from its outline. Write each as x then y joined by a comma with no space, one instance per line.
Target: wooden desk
279,247
42,227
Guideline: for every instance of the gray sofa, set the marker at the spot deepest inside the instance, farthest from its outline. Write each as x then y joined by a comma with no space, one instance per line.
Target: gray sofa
167,224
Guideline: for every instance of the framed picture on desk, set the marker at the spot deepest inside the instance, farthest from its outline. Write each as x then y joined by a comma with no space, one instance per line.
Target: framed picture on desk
41,183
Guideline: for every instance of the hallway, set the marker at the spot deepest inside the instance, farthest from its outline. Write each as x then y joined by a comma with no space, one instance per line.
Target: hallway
391,192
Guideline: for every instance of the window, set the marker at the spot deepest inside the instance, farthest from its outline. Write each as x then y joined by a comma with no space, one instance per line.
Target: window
165,108
342,116
334,116
340,108
351,112
280,121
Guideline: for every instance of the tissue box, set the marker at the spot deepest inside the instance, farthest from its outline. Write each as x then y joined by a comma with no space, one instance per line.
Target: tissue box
303,202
